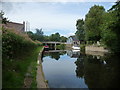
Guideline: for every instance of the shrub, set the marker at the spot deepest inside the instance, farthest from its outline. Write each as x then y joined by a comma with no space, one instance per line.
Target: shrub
18,51
61,46
14,43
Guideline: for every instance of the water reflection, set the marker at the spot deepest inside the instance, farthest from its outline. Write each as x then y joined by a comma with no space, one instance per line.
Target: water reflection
98,73
73,53
95,71
54,55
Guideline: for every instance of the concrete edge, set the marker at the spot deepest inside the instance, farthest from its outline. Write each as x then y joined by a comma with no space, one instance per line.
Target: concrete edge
40,78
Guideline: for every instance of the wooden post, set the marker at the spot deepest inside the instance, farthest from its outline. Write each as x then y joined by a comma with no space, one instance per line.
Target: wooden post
55,46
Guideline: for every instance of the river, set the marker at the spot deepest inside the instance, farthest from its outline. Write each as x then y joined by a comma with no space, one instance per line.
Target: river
72,69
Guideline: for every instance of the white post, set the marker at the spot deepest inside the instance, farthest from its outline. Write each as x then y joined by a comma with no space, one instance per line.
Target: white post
55,46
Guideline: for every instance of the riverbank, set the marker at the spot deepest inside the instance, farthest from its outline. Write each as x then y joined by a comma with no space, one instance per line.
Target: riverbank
40,78
95,48
19,57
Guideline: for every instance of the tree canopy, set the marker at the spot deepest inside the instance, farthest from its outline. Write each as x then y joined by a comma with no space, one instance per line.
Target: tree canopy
38,35
111,28
101,25
55,37
93,20
80,33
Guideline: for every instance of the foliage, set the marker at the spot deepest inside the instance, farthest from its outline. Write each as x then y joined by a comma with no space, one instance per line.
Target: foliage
61,46
39,32
110,28
80,33
31,35
101,26
16,68
63,39
18,51
93,20
40,37
46,38
55,37
14,42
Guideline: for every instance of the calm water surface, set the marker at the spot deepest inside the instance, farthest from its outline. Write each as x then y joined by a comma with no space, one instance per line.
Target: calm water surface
72,69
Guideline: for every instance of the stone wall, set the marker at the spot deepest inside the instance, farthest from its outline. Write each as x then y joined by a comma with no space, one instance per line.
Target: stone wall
95,48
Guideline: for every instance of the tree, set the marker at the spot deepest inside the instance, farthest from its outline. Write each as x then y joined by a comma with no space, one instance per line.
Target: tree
31,35
80,33
46,38
93,20
63,39
111,28
55,37
39,34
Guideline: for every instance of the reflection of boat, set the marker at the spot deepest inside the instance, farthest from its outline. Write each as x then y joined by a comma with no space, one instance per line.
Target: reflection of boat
76,50
73,53
75,47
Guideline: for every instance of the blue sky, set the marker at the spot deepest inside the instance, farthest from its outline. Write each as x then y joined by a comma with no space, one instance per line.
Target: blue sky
51,16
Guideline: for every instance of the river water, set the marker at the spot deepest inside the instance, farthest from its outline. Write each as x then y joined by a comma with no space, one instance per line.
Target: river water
72,69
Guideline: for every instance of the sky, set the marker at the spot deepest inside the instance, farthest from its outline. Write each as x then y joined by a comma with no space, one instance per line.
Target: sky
52,17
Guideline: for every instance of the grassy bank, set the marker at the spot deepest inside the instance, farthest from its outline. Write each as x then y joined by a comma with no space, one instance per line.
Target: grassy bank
15,70
19,59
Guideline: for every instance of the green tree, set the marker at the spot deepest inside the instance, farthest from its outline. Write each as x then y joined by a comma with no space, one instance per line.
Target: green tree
55,37
80,33
39,35
111,28
93,20
39,32
63,39
31,35
46,38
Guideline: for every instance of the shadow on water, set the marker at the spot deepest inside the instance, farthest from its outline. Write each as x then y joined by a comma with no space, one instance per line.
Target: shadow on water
100,72
97,71
54,55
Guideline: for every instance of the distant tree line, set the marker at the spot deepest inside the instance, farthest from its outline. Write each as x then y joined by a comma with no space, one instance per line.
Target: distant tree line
100,25
39,35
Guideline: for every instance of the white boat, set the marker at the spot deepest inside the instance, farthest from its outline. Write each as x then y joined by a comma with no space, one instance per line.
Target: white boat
75,47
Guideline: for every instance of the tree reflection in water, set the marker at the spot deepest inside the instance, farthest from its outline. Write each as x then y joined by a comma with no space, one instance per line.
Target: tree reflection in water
102,72
97,71
54,55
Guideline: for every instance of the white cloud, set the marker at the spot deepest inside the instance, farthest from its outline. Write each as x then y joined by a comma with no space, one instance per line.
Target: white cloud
68,34
47,18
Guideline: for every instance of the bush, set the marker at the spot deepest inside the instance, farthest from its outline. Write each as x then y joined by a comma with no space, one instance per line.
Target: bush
18,51
14,43
61,46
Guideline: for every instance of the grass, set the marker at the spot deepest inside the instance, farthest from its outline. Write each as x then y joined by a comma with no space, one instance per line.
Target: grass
14,70
19,57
